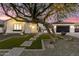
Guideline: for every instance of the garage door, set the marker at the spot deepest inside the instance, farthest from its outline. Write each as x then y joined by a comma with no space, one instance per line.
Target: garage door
63,29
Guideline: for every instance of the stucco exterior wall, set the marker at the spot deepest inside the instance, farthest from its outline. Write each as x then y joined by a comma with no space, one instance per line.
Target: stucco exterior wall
1,29
9,26
72,29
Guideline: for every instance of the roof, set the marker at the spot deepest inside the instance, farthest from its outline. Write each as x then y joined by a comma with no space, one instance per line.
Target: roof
62,23
19,19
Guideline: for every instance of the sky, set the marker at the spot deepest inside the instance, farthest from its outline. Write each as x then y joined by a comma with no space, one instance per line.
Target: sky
3,16
50,19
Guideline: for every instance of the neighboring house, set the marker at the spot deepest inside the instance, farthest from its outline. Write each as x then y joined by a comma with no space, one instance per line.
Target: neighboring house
13,26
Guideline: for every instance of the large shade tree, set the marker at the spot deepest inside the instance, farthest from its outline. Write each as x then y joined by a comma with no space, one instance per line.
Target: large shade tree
38,12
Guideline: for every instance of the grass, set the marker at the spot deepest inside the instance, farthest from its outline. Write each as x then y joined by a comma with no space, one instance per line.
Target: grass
35,45
14,42
44,36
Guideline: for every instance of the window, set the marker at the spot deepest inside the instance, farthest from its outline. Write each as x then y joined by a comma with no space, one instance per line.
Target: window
17,27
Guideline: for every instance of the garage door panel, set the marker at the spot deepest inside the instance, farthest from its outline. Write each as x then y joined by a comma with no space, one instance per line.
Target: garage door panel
62,29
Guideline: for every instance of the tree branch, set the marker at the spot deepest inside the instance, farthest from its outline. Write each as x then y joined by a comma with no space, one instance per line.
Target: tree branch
19,10
44,9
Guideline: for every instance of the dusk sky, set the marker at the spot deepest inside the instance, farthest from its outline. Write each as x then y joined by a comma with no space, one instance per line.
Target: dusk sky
50,19
3,16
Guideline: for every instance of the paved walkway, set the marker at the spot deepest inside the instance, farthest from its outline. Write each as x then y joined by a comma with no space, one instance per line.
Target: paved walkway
14,52
34,38
27,43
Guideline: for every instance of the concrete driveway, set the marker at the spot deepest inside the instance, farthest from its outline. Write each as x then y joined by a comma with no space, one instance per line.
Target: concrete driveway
74,34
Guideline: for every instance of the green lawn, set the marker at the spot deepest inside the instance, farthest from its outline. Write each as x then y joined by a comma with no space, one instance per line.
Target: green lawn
44,36
17,41
35,45
14,42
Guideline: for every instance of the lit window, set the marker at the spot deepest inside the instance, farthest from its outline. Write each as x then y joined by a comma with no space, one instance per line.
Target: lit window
17,27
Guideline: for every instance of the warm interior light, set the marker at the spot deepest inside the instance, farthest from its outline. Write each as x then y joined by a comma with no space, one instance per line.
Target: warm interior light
32,26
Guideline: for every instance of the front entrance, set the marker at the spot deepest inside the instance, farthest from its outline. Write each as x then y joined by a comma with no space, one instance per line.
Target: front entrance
33,28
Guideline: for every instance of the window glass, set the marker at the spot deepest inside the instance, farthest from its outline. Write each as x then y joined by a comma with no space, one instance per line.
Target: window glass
17,27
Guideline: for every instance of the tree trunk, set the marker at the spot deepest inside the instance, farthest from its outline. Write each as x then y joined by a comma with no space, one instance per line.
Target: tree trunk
53,31
49,32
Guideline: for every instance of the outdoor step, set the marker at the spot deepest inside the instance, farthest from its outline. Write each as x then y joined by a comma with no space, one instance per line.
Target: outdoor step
14,52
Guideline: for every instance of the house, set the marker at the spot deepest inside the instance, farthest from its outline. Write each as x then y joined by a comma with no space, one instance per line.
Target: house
13,26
